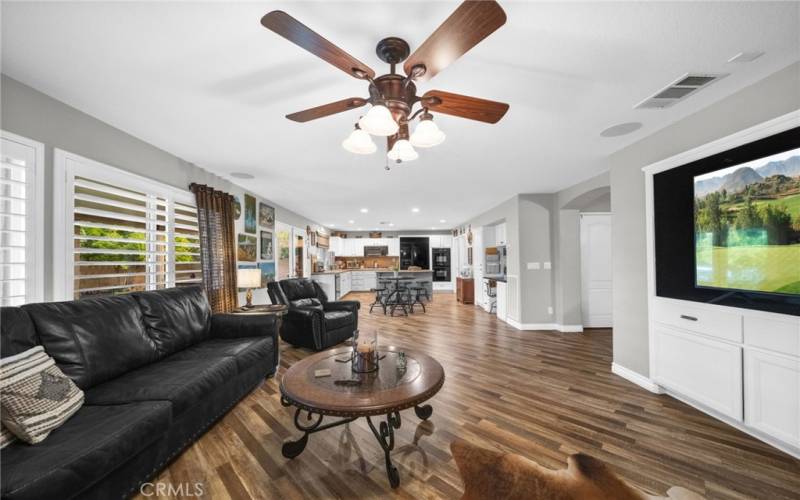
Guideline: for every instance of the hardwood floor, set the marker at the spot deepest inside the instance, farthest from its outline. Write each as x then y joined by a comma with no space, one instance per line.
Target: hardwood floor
544,395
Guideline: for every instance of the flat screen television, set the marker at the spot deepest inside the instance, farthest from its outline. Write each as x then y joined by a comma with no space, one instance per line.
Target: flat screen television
727,227
747,225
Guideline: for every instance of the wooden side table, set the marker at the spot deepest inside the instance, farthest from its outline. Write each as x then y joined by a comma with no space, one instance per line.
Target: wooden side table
278,310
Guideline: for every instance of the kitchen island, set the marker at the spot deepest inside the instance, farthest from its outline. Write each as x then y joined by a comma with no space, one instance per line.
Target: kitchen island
423,277
338,283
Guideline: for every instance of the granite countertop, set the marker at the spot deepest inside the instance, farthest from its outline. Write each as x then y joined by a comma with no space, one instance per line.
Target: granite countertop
370,269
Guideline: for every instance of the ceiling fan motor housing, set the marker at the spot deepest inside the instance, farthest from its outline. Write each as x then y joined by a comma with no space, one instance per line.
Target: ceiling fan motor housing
392,50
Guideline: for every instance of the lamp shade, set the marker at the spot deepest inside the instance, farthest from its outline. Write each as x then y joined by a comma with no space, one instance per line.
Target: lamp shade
359,142
248,278
427,134
378,121
402,151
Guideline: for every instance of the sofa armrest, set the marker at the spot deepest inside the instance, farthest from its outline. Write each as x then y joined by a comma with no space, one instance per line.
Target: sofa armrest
304,326
231,326
343,305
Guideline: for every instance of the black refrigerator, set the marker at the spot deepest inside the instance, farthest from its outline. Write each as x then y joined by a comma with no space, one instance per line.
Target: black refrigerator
414,252
441,264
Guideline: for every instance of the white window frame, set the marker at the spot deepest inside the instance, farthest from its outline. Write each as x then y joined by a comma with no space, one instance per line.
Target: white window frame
66,166
34,219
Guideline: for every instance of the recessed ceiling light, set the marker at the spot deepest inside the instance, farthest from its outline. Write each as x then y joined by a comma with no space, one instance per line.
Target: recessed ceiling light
621,129
433,228
351,222
364,210
442,221
745,57
391,224
359,229
242,175
415,210
329,224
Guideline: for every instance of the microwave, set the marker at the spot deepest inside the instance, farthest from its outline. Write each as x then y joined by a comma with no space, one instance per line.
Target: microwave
376,251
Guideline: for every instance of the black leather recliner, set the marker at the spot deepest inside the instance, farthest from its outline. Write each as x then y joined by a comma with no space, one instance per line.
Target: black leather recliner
157,369
313,321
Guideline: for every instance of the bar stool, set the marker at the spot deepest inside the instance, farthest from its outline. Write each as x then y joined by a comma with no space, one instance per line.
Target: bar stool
417,291
424,289
491,292
401,300
380,298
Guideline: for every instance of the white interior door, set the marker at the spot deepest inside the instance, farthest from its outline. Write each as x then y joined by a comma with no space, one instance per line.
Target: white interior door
596,270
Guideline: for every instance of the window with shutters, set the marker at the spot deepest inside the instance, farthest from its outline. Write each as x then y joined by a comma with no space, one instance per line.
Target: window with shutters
122,232
21,220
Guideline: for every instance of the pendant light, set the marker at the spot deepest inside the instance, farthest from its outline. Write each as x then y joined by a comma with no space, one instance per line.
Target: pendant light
359,142
379,121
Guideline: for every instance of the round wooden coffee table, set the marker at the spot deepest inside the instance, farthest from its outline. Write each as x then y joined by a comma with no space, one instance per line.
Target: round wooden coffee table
395,386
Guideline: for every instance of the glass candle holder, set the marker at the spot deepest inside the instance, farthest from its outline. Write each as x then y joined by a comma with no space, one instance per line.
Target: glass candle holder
365,352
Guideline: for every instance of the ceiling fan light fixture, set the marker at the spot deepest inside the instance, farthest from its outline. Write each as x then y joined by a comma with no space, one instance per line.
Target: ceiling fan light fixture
359,142
378,121
427,134
402,151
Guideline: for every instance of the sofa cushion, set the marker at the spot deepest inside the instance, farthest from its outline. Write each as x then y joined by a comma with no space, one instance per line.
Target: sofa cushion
94,442
246,351
338,319
93,340
36,397
182,383
17,332
295,289
175,318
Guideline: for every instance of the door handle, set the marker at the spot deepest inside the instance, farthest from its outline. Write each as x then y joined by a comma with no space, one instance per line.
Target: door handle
690,318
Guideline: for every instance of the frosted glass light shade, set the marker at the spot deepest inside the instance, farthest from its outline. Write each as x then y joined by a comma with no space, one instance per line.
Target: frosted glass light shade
427,135
403,151
378,121
359,142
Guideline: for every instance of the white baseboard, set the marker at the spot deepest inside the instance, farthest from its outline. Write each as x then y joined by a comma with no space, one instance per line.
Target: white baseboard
636,378
545,326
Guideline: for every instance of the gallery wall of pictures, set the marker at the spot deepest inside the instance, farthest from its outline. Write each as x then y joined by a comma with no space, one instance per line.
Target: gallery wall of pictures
255,235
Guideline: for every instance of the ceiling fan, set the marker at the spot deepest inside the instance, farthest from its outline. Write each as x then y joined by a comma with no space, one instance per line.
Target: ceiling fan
392,95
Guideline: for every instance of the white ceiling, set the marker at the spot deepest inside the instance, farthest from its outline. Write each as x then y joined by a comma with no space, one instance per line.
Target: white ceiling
206,82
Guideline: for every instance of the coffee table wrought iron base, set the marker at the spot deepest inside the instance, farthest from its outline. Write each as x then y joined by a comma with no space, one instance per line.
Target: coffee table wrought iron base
384,433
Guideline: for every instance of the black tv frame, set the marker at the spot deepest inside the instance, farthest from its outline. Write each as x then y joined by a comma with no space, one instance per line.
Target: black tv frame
673,212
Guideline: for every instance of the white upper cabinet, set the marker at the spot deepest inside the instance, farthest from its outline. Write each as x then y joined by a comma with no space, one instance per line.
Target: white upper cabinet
394,247
500,234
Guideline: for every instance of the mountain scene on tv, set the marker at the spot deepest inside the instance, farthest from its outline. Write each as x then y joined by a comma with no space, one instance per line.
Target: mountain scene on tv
747,226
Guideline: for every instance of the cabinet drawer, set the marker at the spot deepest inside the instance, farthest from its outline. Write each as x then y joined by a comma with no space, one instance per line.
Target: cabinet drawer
705,370
779,335
719,323
772,395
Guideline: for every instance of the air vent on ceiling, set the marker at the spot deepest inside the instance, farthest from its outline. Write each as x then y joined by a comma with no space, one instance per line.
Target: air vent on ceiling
678,90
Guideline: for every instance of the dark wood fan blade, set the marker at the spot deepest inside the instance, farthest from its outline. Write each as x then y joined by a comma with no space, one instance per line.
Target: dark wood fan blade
327,109
298,33
464,106
471,22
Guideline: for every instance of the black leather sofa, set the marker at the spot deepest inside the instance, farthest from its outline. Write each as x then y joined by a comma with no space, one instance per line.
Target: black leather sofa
313,321
157,369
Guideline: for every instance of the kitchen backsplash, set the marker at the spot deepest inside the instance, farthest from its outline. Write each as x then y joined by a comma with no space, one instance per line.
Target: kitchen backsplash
368,262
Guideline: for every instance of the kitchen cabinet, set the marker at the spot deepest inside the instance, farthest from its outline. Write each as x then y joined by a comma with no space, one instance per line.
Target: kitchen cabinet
441,241
501,300
345,283
363,281
394,247
500,234
328,284
465,290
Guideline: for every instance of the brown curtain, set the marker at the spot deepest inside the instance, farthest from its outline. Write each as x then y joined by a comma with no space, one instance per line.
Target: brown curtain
217,246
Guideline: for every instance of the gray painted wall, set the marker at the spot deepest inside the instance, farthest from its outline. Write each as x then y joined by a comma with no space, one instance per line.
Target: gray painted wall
32,114
772,97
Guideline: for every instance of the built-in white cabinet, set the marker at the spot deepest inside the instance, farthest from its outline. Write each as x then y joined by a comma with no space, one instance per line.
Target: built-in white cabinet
394,247
500,234
328,284
354,247
772,394
737,363
501,300
706,370
345,283
441,241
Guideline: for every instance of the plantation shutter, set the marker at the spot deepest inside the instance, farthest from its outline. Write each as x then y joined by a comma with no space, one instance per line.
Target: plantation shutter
125,233
19,269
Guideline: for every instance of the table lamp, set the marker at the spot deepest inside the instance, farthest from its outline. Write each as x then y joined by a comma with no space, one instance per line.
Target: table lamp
249,279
